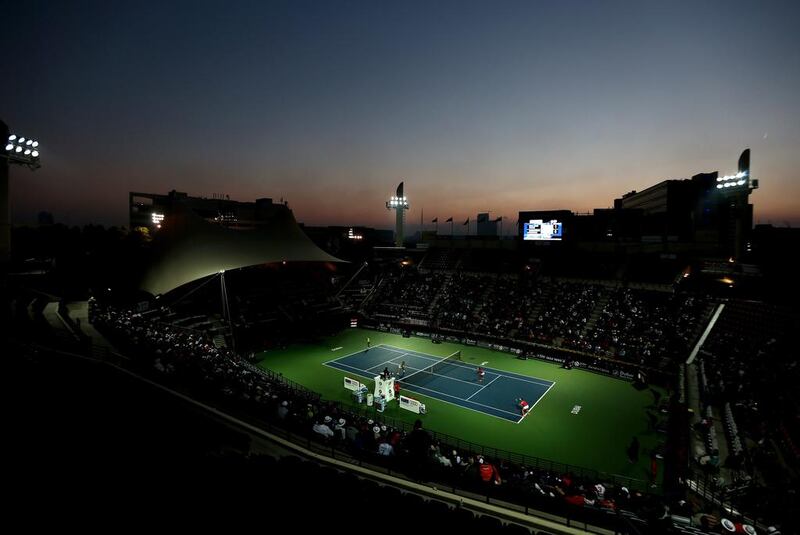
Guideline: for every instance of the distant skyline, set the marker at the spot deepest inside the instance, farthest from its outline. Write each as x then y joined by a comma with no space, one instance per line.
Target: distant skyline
476,106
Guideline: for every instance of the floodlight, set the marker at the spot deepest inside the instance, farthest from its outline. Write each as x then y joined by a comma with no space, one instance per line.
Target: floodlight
21,150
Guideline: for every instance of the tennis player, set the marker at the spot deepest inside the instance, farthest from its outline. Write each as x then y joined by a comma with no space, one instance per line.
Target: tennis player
523,406
481,374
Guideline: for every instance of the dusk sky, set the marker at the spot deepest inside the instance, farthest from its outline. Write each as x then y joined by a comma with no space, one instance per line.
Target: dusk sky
478,106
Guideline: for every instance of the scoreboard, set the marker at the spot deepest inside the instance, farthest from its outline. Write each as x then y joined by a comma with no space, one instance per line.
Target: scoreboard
542,230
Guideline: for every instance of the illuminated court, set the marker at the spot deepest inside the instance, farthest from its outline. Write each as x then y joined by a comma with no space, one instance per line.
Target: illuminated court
449,380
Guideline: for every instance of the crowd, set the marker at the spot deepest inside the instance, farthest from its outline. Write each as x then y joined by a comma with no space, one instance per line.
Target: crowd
647,328
406,292
655,329
565,313
748,383
177,355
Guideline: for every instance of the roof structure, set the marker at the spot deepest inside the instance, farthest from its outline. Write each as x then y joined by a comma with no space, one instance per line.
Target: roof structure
188,248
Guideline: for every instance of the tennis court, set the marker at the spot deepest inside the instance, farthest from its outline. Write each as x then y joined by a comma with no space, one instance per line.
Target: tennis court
448,379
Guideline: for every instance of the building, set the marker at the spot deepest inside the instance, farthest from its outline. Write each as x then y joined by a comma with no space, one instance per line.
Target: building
150,209
711,211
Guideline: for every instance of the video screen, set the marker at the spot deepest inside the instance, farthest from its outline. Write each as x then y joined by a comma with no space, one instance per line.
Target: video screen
540,230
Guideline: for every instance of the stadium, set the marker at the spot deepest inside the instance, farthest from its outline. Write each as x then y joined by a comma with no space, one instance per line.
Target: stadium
524,268
591,369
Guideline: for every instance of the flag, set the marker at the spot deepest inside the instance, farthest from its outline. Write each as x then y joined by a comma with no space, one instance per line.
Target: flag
498,219
466,222
435,220
449,220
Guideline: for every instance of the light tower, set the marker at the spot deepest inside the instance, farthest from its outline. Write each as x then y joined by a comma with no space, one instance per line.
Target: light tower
399,204
15,150
734,192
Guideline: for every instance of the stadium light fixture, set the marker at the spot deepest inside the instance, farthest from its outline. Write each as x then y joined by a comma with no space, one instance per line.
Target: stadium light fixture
16,150
22,150
734,181
399,203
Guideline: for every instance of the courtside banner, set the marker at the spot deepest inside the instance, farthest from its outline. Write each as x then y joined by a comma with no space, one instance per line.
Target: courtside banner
351,384
411,405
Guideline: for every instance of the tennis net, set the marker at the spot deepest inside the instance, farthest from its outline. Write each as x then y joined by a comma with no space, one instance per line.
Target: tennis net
450,359
433,369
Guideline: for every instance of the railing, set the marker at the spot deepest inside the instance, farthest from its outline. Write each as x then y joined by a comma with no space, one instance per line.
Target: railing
275,376
514,498
452,442
449,442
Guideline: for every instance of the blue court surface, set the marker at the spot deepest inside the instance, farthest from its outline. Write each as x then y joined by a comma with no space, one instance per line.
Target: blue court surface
450,381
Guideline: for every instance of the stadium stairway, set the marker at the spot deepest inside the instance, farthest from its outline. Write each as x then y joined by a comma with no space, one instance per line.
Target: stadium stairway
58,326
601,303
533,317
433,307
488,290
722,445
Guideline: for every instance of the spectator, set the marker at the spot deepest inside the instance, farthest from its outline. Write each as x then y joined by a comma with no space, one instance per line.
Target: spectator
323,430
488,472
283,410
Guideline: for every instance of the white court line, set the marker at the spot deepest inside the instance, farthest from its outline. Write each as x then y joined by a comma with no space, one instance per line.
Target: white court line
411,387
494,370
484,386
537,402
434,359
385,363
445,376
351,354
